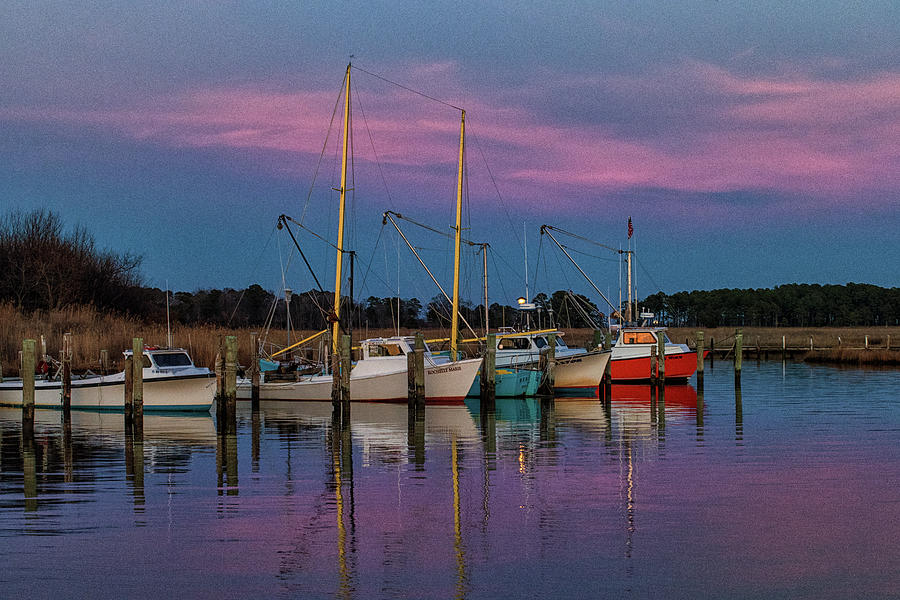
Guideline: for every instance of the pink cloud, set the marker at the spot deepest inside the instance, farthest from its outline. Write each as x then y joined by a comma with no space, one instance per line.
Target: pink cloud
788,133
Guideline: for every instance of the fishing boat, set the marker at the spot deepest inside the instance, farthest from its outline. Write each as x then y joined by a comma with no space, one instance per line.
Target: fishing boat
380,374
631,355
171,383
576,371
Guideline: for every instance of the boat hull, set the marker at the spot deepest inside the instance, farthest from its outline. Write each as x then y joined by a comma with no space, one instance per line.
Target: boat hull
444,383
511,383
679,365
580,373
191,393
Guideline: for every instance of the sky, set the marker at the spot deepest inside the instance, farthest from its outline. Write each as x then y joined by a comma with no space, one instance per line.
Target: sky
752,144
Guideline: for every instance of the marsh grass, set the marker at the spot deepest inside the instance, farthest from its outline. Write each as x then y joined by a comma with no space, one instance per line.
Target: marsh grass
94,331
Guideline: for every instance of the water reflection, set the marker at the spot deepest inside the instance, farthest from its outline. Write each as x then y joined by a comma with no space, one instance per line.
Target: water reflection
536,497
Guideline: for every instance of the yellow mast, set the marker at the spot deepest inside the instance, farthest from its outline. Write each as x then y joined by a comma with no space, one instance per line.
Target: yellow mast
454,323
336,326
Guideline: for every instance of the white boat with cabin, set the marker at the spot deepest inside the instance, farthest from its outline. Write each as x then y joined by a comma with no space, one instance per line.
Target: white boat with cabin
171,383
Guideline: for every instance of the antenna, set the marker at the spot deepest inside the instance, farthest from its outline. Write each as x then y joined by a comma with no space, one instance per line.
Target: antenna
169,343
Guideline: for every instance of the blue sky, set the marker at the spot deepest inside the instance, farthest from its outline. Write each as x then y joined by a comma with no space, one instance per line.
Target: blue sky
753,144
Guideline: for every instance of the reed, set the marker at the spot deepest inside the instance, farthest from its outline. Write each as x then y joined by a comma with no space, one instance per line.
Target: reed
848,356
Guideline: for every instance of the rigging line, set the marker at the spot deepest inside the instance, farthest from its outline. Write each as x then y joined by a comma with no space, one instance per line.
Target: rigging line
582,253
432,229
647,273
408,89
312,184
462,318
252,269
300,250
310,231
374,151
584,239
512,228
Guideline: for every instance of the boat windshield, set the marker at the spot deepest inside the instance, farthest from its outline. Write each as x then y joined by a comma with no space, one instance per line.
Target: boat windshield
385,350
172,359
638,337
517,343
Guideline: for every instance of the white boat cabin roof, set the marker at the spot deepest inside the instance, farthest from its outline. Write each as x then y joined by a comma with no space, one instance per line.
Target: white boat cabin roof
164,358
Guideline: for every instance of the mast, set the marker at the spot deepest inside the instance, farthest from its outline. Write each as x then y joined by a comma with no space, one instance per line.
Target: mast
454,323
336,316
629,317
487,327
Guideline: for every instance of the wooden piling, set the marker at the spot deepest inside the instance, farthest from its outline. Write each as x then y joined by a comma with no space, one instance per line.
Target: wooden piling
220,382
420,369
738,355
230,375
607,377
712,351
346,366
67,372
489,368
104,362
129,391
137,350
700,360
550,365
653,366
661,352
28,385
783,348
254,371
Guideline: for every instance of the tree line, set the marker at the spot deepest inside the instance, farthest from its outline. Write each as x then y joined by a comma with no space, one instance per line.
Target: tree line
44,267
790,305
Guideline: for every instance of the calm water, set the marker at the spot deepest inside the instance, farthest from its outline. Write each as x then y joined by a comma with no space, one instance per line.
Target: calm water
789,491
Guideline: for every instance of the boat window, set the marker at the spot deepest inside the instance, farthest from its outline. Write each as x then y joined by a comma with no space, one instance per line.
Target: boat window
540,342
638,337
513,343
385,350
146,361
560,343
173,359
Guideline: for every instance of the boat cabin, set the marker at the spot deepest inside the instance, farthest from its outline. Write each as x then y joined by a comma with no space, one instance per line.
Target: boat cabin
164,360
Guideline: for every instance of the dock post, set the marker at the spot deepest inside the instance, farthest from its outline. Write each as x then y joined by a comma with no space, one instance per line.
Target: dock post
700,360
137,350
230,381
28,387
661,352
712,351
336,378
867,342
653,366
783,348
598,339
420,369
489,368
104,362
129,392
254,372
67,372
220,383
549,376
738,355
607,378
346,365
810,343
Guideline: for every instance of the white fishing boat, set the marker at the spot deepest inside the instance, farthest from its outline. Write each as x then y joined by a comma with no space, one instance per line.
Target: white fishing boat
576,371
381,374
171,383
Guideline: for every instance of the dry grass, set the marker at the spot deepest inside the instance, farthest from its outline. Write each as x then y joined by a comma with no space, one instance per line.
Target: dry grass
795,337
94,331
848,356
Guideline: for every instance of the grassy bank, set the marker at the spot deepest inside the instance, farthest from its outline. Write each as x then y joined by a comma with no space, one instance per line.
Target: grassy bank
95,331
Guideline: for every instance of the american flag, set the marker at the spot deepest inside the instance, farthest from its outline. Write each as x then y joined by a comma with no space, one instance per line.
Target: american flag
630,228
